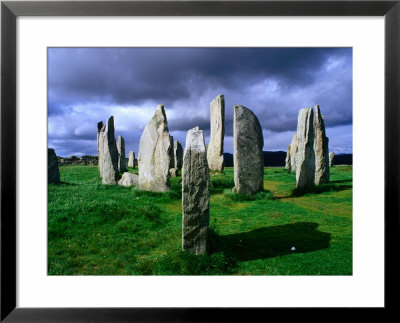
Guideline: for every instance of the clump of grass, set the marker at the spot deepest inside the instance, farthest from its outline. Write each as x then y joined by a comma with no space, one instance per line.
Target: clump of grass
264,195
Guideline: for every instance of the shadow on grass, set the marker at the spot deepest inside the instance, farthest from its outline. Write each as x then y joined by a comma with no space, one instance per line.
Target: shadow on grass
342,181
270,242
323,188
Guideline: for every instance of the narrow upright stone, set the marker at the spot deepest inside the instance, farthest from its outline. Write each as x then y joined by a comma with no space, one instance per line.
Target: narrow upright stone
305,157
215,149
131,161
293,151
321,148
195,194
121,154
248,159
287,159
108,153
100,125
155,154
53,175
331,158
178,155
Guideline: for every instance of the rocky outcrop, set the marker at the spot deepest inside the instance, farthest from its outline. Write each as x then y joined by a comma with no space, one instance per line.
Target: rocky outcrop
195,194
305,157
129,179
248,159
215,149
53,173
155,154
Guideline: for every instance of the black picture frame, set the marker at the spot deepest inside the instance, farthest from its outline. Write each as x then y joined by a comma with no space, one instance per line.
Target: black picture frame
10,10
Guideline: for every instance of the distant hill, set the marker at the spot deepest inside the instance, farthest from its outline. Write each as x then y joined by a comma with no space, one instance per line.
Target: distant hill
277,158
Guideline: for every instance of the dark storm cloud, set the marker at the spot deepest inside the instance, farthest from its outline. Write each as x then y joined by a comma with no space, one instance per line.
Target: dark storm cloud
274,82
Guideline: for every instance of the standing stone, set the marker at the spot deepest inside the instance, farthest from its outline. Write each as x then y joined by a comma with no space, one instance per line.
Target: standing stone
248,159
195,194
178,155
293,151
131,161
100,125
305,157
155,154
287,160
121,154
52,167
331,158
215,149
108,153
321,148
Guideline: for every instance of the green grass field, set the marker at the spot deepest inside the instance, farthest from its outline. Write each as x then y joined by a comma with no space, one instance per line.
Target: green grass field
96,229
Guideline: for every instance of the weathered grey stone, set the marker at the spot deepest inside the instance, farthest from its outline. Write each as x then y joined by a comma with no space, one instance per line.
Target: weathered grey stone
321,148
195,194
155,154
108,153
331,158
305,157
287,159
215,149
178,155
293,151
121,154
173,172
248,159
53,174
131,161
129,179
100,126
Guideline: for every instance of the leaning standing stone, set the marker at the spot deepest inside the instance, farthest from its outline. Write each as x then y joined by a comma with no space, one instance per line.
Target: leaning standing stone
331,158
321,148
195,194
155,154
293,151
248,159
131,161
215,149
109,153
121,154
53,172
305,157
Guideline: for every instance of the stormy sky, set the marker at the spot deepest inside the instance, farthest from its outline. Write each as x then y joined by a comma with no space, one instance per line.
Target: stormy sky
87,85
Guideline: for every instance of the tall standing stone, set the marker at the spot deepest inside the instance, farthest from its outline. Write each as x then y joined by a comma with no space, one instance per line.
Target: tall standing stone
155,154
305,157
331,158
321,148
131,161
178,155
287,159
195,194
121,154
53,174
293,151
108,153
100,126
248,159
215,149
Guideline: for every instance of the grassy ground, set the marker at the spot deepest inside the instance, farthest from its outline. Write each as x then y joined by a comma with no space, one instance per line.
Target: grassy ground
96,229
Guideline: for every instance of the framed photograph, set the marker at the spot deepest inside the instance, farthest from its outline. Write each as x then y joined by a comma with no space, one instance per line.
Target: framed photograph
195,198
